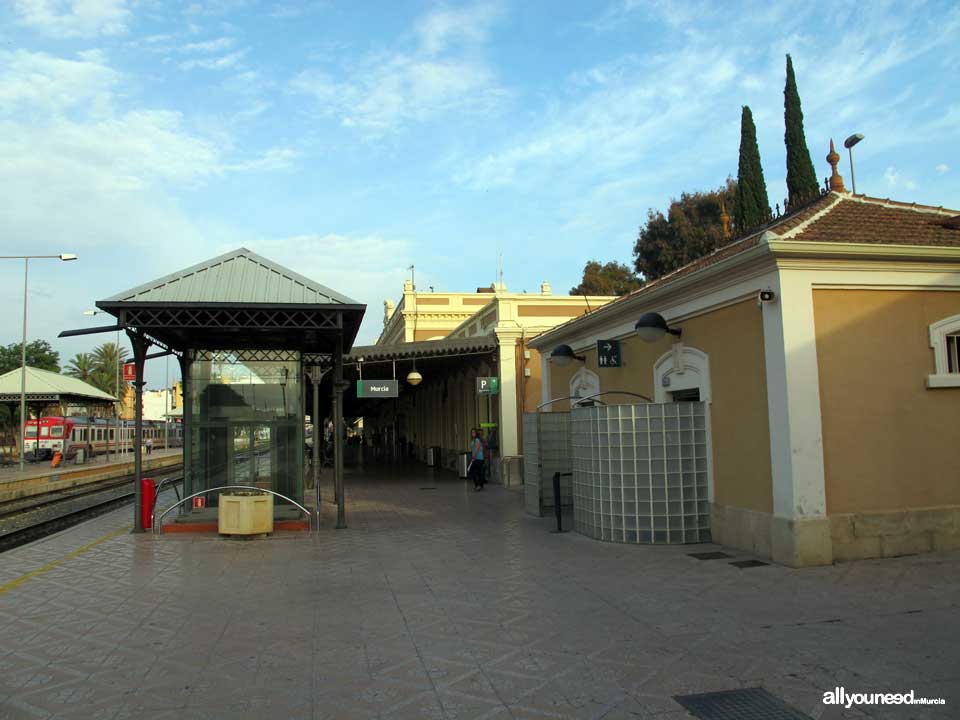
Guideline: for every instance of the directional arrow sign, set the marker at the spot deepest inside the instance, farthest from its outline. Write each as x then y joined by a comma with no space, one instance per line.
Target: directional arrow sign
608,354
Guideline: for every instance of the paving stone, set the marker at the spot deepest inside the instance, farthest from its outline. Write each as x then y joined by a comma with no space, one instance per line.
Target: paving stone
452,604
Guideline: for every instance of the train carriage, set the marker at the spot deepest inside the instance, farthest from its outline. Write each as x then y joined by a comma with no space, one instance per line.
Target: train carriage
48,435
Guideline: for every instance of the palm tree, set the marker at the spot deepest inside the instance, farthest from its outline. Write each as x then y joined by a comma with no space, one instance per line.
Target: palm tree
82,367
104,375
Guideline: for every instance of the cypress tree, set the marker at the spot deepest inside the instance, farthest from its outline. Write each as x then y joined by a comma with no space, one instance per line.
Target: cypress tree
802,182
752,207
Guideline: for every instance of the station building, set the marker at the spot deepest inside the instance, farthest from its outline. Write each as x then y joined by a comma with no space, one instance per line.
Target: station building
825,348
450,339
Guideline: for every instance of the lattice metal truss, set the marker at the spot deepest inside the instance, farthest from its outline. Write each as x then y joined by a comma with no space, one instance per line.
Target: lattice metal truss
232,357
232,318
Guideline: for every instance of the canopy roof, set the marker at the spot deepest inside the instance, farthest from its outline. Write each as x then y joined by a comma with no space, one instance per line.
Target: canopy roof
425,349
46,386
239,300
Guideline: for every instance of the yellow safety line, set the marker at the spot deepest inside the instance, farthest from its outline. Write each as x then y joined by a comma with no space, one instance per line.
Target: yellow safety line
51,565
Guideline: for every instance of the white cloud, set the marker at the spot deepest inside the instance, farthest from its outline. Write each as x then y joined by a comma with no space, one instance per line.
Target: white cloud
272,159
40,83
74,18
382,93
943,168
209,46
444,27
224,62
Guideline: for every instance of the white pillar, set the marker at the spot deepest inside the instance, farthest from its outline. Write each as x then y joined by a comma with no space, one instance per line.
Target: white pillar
545,380
509,432
800,529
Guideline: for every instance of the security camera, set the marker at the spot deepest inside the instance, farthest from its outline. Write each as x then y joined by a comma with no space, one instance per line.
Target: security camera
766,296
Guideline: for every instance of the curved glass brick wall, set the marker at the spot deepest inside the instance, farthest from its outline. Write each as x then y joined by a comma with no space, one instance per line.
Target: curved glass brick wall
546,450
640,473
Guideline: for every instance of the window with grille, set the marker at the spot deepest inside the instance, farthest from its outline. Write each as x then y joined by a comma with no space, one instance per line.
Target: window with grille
945,341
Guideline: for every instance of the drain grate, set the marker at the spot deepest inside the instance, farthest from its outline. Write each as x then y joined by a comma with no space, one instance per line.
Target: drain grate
746,704
428,488
709,555
749,563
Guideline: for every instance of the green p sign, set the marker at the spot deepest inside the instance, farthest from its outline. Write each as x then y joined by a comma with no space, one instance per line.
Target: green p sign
488,385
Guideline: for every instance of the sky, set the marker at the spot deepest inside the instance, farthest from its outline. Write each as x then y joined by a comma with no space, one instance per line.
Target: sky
350,140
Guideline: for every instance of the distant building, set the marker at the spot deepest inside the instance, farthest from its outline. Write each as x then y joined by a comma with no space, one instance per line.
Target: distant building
452,338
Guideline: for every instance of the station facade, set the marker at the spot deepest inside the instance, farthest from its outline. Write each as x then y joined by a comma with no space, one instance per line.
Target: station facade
451,339
825,348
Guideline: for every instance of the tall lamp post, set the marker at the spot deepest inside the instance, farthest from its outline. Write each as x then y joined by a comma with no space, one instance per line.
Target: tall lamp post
116,392
23,348
848,144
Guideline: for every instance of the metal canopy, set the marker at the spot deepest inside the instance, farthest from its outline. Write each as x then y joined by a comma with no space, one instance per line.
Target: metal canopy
46,386
239,300
446,347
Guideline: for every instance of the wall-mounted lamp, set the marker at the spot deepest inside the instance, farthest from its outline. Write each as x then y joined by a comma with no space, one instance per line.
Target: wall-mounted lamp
651,327
563,355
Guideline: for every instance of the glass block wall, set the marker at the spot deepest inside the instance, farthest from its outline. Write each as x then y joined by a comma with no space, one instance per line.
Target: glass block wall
546,450
640,473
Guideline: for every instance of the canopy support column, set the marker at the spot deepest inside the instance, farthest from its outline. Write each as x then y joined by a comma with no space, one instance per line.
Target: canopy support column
140,347
338,388
186,419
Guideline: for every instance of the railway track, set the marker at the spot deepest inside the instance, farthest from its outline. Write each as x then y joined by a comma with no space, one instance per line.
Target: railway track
29,519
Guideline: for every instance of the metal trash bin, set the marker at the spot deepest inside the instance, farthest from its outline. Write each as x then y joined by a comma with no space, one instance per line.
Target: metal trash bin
463,463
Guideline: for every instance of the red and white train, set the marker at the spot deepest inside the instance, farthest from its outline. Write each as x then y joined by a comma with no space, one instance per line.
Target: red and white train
66,435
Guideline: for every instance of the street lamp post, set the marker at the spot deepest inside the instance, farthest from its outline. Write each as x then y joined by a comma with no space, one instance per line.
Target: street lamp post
116,391
848,144
23,347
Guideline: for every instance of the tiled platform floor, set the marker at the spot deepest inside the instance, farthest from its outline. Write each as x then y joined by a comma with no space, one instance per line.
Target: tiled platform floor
445,603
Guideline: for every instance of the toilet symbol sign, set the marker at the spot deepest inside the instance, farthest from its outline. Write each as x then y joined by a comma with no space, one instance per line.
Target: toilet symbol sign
608,353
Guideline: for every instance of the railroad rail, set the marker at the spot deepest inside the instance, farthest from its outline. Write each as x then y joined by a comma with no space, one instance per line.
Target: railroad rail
29,519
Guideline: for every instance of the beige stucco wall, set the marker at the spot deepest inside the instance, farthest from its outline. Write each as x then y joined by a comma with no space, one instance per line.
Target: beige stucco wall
733,339
889,443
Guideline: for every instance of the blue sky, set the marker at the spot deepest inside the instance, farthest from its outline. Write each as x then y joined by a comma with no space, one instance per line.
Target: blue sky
349,140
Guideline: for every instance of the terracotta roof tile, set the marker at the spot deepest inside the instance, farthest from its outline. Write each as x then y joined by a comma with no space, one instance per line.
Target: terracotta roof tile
872,221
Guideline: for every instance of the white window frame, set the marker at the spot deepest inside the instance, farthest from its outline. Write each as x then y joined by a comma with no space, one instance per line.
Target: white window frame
938,341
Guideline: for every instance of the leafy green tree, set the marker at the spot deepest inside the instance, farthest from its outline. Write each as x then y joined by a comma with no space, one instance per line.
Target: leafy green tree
39,355
691,229
82,367
613,278
802,182
752,206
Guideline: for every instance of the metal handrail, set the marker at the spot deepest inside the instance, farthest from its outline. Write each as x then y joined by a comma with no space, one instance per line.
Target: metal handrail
157,522
588,397
166,481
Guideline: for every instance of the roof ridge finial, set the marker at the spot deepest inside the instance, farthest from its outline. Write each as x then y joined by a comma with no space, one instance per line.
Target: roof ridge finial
725,219
836,182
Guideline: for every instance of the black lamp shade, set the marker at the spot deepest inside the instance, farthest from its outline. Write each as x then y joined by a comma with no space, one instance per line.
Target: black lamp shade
562,355
651,327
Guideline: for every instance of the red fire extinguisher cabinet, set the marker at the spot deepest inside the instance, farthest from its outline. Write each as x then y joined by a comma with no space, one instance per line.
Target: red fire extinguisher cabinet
148,493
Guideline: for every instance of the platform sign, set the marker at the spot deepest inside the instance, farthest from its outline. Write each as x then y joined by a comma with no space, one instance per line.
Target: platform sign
130,372
608,354
378,389
488,385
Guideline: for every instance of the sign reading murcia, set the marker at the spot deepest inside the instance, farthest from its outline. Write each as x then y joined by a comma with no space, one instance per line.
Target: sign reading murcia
377,389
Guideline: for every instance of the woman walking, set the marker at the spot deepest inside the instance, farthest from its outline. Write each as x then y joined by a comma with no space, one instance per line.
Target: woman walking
477,458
